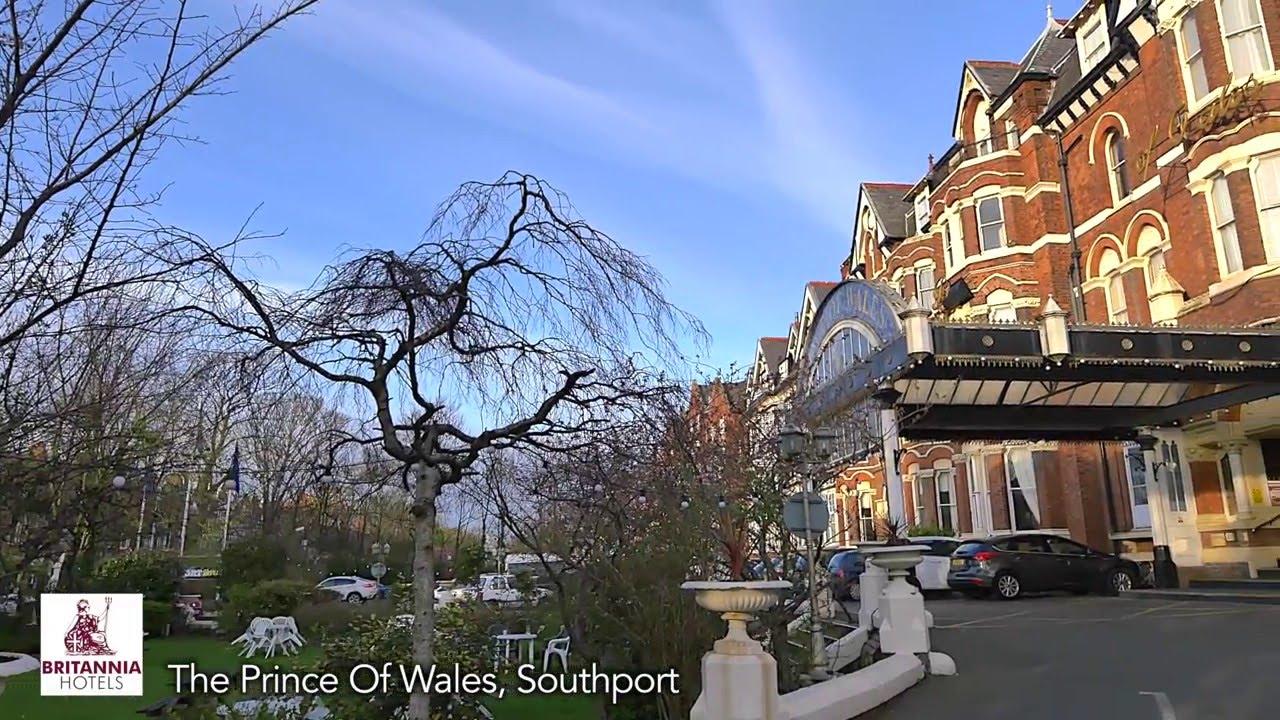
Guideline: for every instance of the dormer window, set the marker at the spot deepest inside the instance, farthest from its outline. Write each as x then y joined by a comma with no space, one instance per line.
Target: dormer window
922,212
1093,41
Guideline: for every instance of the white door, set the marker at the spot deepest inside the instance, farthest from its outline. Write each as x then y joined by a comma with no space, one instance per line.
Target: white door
1136,470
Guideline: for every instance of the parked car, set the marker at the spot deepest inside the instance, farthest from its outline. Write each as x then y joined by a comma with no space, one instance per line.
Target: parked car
445,592
500,589
931,573
350,588
1010,565
845,567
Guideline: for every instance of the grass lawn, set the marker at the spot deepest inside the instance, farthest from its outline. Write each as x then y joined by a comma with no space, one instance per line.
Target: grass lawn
21,699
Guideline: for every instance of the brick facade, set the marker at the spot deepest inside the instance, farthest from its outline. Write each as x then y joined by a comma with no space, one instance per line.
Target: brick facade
1134,104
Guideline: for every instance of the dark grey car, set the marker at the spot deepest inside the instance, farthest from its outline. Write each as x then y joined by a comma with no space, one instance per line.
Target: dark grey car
1010,565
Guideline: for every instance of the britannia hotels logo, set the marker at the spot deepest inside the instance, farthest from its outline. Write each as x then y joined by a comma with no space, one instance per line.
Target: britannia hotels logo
90,644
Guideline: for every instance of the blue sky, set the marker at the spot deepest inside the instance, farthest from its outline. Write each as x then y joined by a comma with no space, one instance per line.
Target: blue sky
723,141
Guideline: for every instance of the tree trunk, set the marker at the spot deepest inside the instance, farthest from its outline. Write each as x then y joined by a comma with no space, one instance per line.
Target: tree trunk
424,581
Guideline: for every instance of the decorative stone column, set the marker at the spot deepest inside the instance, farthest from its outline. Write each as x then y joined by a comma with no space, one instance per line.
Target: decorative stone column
904,624
739,679
1239,481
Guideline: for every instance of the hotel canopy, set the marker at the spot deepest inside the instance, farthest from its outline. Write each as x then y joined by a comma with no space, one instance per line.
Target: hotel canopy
870,350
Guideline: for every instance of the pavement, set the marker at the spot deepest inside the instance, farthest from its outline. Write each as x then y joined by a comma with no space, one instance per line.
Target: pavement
1064,657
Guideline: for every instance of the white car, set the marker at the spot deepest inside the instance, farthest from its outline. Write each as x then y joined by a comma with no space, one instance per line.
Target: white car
499,589
933,568
350,588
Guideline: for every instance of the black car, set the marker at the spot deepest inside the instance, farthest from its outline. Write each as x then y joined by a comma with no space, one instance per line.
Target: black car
845,568
1010,565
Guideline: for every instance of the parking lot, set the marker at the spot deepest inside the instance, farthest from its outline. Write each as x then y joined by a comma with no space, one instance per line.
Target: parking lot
1097,657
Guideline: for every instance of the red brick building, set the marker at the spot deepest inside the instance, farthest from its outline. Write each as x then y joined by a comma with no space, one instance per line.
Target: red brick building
1136,144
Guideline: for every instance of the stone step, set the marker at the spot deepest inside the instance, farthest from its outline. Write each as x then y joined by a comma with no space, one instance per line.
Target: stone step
1207,594
1269,573
1242,584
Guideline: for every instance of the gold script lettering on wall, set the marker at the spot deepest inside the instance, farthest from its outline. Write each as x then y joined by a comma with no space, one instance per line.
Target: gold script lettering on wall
1238,103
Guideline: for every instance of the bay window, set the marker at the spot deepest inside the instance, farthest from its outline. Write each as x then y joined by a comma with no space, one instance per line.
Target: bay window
1245,38
991,223
925,285
1266,190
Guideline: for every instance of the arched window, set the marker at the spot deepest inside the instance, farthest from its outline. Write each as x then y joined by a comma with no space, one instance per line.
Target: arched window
846,347
1117,307
982,129
1152,246
1000,307
1117,166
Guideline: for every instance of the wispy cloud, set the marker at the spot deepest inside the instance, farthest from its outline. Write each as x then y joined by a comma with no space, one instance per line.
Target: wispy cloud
777,136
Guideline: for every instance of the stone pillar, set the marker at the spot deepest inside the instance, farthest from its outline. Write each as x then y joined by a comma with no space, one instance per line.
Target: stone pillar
904,624
1239,481
870,587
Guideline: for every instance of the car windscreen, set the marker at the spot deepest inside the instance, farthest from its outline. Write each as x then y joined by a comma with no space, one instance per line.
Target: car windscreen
971,547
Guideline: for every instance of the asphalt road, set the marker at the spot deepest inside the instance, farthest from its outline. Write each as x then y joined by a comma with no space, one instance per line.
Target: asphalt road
1055,657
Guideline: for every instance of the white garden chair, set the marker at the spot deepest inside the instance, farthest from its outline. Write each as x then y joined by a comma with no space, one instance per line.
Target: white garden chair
557,647
286,635
258,636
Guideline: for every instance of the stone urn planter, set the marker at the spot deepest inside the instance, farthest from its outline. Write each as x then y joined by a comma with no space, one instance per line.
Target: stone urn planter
896,559
739,679
737,603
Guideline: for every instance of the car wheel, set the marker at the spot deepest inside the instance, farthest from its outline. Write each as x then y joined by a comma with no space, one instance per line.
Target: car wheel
1119,581
1007,587
355,598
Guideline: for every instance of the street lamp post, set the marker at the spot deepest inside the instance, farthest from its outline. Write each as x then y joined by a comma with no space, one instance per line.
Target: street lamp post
809,451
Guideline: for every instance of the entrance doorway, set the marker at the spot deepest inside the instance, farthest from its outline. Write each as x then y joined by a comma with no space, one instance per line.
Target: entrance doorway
1135,467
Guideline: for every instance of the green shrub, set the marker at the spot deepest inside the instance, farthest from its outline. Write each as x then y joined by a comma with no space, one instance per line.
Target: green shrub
18,636
460,638
329,617
153,574
265,599
253,560
156,616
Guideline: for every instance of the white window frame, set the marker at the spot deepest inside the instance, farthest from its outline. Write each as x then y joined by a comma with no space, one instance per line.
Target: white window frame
1091,56
938,475
1228,255
926,299
952,243
1117,165
1011,136
997,306
1270,234
979,496
922,212
1034,487
984,141
977,215
867,522
1117,307
1261,27
1190,62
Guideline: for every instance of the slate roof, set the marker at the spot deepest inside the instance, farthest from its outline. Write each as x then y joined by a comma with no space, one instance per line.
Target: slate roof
1050,48
1068,75
774,349
994,75
886,200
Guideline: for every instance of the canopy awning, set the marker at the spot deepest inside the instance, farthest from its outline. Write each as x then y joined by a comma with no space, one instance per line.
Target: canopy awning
960,381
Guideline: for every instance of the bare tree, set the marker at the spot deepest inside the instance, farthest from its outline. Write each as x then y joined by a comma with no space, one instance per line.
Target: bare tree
512,323
90,91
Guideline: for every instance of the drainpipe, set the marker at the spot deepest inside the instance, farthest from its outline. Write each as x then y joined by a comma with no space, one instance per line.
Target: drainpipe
1074,272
